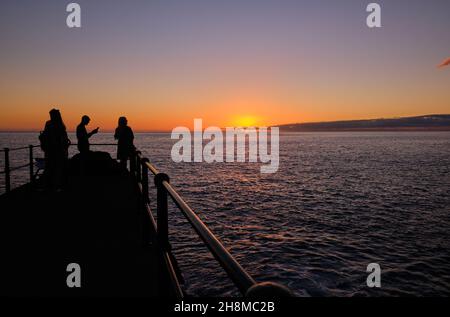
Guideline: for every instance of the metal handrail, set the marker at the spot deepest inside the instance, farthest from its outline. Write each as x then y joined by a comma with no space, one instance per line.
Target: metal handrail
16,149
151,168
15,168
99,144
35,146
8,169
235,271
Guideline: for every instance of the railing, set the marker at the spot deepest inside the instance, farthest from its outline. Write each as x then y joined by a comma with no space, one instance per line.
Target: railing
234,270
158,231
8,169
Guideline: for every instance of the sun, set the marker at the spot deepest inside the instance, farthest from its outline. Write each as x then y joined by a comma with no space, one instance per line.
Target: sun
245,121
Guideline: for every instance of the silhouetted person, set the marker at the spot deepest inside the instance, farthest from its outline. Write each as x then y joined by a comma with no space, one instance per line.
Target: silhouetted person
83,136
125,146
55,144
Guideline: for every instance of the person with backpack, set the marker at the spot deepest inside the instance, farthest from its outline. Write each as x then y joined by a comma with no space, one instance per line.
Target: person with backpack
55,144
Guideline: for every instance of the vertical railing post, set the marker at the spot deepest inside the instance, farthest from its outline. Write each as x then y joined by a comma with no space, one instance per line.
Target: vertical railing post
30,147
162,211
7,171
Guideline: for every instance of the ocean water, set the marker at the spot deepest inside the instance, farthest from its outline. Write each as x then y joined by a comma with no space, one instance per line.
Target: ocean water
338,202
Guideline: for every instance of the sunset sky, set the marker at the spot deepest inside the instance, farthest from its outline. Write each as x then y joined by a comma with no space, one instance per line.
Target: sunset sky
235,62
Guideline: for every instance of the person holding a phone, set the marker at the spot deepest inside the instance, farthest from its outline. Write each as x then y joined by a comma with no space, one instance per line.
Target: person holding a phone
83,136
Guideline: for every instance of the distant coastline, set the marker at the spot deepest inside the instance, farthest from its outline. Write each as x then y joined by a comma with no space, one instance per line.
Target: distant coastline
436,122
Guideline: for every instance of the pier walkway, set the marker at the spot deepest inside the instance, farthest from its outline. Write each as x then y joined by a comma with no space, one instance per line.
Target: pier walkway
102,222
95,222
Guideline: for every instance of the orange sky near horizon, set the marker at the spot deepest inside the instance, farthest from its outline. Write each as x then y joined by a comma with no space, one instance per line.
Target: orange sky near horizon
263,103
18,115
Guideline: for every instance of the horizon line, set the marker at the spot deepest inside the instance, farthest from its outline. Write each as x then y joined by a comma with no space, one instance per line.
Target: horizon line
222,128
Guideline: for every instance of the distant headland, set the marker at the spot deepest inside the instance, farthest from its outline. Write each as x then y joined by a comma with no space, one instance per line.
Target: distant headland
435,122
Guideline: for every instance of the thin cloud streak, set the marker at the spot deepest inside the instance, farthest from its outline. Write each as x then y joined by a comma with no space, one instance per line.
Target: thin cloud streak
444,63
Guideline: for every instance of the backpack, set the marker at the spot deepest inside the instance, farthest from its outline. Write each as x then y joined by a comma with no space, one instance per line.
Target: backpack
43,140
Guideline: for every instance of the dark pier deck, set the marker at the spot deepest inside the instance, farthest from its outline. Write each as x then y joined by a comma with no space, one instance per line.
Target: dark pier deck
96,222
102,222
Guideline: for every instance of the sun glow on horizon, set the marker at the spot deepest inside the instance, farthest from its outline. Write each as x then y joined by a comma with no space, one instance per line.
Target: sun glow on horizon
246,121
